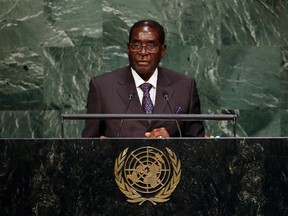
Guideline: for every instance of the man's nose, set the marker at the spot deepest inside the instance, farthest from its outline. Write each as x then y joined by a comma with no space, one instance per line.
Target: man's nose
143,50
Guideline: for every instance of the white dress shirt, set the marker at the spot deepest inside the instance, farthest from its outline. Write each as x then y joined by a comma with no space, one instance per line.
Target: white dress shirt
139,81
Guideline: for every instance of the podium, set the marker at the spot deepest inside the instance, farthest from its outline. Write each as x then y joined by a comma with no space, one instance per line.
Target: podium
225,176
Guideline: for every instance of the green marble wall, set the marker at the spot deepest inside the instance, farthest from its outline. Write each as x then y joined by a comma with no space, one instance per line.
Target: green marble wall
236,50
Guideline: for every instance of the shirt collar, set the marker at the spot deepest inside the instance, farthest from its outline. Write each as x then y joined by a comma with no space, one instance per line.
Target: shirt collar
138,80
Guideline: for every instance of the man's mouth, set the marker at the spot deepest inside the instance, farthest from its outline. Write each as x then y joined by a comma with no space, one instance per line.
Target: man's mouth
142,63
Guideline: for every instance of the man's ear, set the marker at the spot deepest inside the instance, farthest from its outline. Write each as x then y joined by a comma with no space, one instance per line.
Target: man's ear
127,47
163,50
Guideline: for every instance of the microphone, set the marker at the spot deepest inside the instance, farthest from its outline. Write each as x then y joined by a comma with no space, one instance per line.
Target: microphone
130,96
166,97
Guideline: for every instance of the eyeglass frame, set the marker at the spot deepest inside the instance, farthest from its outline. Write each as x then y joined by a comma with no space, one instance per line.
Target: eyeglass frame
144,46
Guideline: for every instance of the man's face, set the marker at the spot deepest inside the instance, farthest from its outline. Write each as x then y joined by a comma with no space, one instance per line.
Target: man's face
143,61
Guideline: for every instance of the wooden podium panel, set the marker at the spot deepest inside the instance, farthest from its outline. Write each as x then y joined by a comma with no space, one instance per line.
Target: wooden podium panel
238,176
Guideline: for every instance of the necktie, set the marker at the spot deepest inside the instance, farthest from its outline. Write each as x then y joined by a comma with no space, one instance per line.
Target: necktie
147,104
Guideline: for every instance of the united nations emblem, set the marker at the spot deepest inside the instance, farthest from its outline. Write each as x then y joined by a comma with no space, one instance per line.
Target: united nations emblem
147,174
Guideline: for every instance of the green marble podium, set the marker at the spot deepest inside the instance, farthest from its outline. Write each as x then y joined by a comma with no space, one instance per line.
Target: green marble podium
226,176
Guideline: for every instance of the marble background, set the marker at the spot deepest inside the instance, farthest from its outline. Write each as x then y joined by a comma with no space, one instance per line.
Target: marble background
236,50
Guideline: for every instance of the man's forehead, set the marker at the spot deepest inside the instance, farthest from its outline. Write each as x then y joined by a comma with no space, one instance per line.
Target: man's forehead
145,32
145,28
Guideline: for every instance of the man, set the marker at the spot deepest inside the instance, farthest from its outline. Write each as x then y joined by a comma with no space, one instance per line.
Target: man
121,91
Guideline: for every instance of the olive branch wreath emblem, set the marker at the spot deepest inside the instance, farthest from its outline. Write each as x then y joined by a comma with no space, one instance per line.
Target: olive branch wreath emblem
132,195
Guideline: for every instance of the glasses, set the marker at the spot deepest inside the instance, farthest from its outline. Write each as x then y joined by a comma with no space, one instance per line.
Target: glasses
137,47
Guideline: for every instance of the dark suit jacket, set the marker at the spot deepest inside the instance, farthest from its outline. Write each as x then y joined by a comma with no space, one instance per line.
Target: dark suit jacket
109,92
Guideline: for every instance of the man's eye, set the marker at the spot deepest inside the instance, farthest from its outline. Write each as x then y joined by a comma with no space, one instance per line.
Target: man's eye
136,45
151,46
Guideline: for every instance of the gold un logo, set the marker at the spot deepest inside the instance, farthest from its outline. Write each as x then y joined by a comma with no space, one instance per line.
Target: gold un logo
147,174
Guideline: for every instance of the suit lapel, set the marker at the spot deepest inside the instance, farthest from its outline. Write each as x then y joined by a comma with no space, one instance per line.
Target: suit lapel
163,85
127,86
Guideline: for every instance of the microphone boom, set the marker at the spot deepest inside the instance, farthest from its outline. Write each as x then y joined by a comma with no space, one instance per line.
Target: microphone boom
165,95
130,97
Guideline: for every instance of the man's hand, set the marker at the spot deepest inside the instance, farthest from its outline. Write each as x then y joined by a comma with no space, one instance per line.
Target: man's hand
158,133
